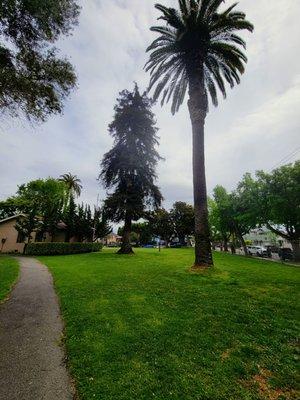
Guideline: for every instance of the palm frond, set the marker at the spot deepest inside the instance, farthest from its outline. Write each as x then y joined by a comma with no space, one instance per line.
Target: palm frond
183,5
196,38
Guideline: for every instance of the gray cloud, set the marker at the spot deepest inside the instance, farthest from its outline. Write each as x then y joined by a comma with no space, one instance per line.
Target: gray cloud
254,128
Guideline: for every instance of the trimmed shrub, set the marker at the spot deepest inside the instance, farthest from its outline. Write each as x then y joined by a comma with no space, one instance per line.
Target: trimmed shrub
55,248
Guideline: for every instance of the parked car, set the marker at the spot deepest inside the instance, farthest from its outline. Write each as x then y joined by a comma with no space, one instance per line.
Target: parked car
148,246
272,249
175,245
258,251
286,254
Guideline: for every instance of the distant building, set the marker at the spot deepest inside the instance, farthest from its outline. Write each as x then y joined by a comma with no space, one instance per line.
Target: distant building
264,237
11,241
112,240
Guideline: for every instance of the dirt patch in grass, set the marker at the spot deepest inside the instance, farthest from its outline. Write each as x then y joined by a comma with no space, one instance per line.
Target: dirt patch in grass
225,355
266,391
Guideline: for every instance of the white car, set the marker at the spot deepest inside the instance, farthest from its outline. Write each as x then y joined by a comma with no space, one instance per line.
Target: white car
258,251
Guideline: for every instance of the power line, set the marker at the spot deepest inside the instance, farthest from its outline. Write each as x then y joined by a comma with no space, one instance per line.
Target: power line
286,158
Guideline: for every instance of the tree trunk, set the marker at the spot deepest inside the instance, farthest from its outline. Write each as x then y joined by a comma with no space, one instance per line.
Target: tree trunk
225,245
166,240
126,245
181,239
296,249
198,108
240,236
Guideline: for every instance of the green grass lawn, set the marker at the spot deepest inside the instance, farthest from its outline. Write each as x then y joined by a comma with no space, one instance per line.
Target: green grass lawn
142,327
9,269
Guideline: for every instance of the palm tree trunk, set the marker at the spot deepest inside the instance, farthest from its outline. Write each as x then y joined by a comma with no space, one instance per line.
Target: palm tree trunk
198,109
126,245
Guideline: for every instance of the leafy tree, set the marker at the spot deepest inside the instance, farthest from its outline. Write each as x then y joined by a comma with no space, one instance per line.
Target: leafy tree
161,224
33,80
73,184
141,233
183,217
240,225
45,198
280,204
250,200
129,167
232,213
27,224
40,200
144,232
7,209
197,50
213,220
221,214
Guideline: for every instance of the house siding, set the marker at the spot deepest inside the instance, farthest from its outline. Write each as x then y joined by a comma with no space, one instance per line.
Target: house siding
9,232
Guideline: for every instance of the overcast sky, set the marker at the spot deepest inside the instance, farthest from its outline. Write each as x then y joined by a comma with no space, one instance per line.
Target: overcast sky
256,127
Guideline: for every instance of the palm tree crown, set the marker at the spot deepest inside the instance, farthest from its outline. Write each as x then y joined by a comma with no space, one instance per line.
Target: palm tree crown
72,182
198,40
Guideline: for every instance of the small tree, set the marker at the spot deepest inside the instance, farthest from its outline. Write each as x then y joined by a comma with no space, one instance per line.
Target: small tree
231,213
241,225
27,224
279,197
129,167
161,224
183,218
221,214
213,221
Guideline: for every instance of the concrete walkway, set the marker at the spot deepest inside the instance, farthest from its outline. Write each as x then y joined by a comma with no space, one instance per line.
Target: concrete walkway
31,357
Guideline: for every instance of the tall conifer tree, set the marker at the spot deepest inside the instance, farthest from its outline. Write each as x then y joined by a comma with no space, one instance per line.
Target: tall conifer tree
129,167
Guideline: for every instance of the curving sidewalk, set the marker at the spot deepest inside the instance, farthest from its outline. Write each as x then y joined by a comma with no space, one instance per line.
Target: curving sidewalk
31,356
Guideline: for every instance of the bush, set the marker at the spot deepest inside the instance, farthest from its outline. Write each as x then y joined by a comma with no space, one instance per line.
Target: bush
54,248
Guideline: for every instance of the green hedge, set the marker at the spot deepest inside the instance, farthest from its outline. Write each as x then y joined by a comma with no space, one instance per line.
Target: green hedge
55,248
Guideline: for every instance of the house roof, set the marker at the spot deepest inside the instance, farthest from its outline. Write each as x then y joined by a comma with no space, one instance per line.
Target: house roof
62,225
12,217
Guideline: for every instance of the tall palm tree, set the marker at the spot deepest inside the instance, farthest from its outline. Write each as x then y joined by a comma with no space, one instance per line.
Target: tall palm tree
73,184
197,50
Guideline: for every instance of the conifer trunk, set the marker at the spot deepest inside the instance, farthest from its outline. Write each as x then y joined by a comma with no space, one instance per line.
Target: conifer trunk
126,245
198,109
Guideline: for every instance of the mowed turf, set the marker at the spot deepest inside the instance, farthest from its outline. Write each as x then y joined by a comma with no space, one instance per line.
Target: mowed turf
9,269
142,327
